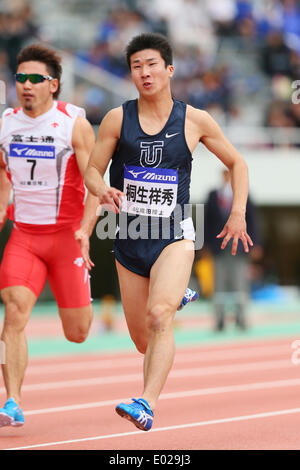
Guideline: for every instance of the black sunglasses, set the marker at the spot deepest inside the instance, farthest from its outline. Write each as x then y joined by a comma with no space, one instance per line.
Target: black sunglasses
32,77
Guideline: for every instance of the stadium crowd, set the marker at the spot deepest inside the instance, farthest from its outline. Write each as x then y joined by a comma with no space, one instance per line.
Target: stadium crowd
228,53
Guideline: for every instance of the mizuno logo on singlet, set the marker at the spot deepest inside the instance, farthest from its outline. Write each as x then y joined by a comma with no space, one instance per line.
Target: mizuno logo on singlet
163,175
36,151
136,173
155,177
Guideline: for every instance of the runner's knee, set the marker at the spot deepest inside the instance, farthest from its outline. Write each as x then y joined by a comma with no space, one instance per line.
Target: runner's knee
159,315
16,313
76,323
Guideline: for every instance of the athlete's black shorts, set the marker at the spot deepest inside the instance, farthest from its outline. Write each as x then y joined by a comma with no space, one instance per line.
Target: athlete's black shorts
139,255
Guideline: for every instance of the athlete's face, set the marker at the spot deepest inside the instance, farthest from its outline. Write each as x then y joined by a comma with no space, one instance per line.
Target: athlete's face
149,72
36,97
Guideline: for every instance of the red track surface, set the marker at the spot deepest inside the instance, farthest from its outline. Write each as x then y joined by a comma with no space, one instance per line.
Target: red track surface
233,396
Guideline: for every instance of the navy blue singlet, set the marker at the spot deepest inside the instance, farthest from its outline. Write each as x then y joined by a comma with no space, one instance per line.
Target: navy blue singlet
154,173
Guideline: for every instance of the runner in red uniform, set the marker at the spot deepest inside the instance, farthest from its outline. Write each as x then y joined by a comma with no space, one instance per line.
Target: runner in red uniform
45,145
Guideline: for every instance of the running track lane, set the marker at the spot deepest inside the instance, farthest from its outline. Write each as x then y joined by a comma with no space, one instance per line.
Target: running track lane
231,396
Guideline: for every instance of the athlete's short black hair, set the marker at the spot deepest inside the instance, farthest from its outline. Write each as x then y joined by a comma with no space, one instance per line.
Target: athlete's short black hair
49,57
154,41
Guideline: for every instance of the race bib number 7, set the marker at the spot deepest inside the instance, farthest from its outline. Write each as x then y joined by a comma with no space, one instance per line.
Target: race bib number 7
150,191
33,166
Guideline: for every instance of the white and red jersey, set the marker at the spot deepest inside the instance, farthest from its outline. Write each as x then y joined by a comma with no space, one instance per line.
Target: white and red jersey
40,161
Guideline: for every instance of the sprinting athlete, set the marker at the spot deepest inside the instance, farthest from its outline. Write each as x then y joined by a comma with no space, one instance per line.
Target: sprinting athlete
45,146
150,142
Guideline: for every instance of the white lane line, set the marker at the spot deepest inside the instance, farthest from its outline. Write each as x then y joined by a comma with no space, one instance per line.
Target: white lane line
173,395
181,357
167,428
176,373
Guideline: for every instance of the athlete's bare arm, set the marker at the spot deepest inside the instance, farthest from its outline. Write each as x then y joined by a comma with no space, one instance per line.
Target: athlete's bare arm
83,141
5,188
107,140
202,127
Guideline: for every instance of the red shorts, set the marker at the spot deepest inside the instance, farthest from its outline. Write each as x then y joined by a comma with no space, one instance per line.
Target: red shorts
29,259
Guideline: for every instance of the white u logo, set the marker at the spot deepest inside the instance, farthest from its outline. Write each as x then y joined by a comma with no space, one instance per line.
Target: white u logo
151,158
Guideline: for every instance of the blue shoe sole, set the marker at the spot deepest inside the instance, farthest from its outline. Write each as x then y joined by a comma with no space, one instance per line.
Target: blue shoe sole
126,415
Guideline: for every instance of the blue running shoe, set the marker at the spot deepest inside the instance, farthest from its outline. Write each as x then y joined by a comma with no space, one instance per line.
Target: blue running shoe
189,296
138,412
11,414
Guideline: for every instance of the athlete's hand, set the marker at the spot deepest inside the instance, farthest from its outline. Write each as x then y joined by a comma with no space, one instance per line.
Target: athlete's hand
235,228
111,199
83,238
3,218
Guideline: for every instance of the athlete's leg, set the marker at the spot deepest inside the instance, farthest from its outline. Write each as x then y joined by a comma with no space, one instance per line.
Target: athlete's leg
134,295
18,302
69,282
169,278
22,277
76,322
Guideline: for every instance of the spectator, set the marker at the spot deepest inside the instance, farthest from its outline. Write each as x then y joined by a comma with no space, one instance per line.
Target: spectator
16,27
231,273
291,18
213,90
247,39
278,115
244,9
276,56
294,112
222,14
95,105
101,55
188,23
